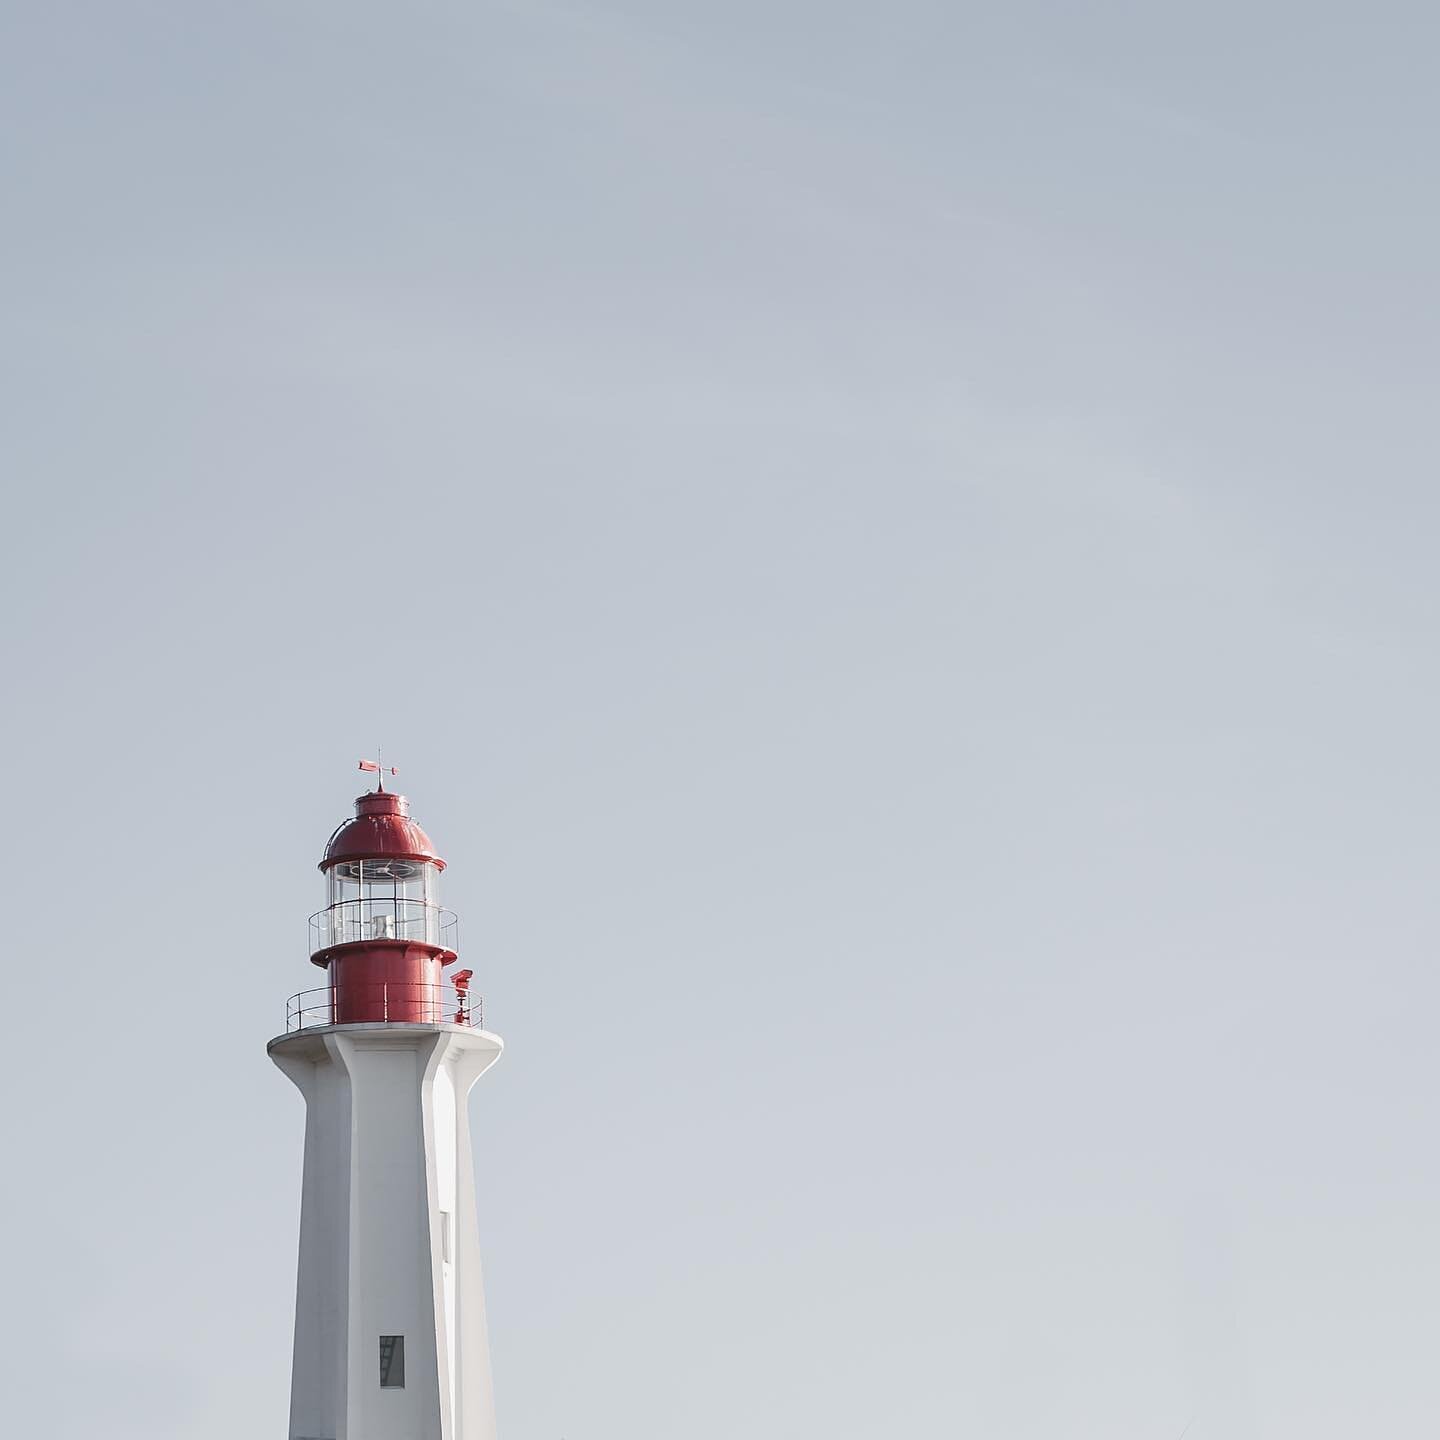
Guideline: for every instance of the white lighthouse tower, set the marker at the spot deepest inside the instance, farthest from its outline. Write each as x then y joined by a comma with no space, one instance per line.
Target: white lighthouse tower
390,1337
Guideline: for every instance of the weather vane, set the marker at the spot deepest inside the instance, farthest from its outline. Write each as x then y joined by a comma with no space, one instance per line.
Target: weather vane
377,767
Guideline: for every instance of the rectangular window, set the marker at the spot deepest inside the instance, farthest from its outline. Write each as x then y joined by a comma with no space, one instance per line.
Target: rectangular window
392,1362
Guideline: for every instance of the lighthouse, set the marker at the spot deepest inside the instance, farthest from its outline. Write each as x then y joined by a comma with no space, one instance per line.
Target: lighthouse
390,1334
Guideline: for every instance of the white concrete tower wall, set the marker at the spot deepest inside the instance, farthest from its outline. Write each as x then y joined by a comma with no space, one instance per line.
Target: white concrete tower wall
389,1241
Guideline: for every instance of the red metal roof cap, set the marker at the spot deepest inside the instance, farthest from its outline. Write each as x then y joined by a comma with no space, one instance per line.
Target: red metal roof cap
382,828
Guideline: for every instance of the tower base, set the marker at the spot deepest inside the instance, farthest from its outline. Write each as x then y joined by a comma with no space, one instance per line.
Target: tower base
390,1334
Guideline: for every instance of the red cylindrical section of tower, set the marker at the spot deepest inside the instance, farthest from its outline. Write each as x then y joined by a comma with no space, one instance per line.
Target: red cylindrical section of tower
386,980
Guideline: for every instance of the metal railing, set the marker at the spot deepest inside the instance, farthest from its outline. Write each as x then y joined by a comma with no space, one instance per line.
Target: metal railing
388,918
383,1002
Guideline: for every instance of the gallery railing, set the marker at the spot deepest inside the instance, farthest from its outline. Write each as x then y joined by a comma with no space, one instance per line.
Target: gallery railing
385,1002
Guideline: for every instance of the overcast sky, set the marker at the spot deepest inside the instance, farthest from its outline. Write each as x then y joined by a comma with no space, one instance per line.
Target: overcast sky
894,547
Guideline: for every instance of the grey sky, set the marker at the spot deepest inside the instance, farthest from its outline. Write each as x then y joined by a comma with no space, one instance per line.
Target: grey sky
894,547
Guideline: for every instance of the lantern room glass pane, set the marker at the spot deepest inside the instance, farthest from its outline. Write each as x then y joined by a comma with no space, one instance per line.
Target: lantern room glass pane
374,879
381,899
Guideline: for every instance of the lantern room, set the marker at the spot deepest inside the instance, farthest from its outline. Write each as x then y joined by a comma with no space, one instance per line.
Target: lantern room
382,936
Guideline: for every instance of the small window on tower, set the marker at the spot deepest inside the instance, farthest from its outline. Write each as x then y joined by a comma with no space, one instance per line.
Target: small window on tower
392,1362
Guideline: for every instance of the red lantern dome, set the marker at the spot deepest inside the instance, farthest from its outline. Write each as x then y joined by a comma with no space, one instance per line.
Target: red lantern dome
382,827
